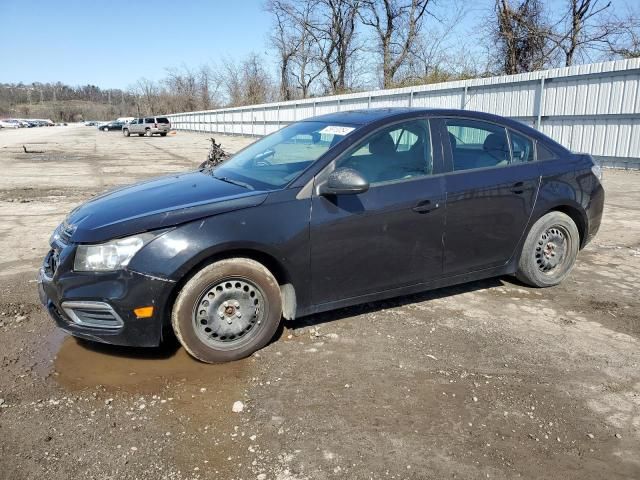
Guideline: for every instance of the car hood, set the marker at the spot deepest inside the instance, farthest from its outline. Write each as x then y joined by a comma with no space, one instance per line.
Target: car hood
157,203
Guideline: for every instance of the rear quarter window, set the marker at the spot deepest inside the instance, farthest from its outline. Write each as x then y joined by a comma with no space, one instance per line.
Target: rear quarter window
162,120
544,153
521,148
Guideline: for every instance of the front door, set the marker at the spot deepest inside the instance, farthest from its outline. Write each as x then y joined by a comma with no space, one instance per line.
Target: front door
491,191
389,236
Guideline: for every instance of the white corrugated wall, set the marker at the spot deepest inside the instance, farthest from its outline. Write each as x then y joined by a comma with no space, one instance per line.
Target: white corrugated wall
592,108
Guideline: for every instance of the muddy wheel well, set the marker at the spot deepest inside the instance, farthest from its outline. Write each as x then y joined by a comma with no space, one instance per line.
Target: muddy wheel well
577,218
287,289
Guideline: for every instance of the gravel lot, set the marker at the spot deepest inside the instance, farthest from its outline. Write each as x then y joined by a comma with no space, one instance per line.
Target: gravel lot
486,380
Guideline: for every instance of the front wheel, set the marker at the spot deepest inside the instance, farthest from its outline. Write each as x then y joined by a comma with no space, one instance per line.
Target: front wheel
227,310
105,129
550,250
148,133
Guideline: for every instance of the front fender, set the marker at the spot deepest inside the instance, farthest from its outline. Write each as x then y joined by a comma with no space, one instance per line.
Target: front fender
278,229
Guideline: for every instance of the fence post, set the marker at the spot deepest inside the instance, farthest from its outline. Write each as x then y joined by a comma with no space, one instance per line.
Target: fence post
368,102
540,105
411,98
264,121
278,118
464,97
314,108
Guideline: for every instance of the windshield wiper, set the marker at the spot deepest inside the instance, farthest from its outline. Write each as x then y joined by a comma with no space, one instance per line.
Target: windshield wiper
234,182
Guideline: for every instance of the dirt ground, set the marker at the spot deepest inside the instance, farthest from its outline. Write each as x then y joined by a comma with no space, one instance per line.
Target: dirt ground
486,380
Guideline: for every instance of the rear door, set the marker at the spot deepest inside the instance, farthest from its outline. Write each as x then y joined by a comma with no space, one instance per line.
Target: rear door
491,187
389,236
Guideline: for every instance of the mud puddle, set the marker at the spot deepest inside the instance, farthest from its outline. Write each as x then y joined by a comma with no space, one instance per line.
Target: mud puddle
80,365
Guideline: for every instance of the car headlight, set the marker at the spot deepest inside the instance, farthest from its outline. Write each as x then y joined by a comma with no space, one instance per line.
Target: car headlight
109,256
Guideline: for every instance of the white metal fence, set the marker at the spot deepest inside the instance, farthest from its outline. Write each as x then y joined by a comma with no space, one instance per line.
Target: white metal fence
592,108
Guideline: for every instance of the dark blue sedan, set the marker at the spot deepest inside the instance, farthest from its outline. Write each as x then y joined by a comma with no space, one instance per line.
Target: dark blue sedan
328,212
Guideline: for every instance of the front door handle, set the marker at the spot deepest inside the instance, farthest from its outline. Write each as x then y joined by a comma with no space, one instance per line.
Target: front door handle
518,188
426,206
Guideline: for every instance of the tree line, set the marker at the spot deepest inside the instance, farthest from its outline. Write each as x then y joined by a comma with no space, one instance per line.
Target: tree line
324,47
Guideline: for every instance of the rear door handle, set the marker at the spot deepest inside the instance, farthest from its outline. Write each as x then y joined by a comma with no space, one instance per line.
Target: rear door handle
426,206
518,188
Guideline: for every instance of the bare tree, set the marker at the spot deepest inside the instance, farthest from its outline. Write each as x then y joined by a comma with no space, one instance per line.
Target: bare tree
396,24
521,36
432,57
246,82
334,31
147,91
305,66
285,40
182,88
582,27
627,43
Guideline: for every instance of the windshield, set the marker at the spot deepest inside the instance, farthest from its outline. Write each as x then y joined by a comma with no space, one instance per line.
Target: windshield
274,161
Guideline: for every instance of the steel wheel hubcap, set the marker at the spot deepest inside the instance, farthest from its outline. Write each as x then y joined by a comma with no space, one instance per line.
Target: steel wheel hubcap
228,312
551,249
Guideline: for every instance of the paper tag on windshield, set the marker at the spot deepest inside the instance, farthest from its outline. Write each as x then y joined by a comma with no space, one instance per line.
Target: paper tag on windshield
336,130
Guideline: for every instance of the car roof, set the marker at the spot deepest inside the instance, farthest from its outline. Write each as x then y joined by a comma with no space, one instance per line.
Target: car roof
373,115
366,116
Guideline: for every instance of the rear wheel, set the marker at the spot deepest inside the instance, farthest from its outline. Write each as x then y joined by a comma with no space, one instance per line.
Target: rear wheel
550,250
105,129
227,310
148,133
125,132
163,134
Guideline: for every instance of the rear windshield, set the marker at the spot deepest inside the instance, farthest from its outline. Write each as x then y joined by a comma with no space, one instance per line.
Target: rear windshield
162,120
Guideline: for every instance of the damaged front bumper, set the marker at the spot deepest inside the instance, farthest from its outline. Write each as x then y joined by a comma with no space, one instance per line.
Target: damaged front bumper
99,306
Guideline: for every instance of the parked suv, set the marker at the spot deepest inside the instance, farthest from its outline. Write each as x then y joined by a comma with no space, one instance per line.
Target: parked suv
147,126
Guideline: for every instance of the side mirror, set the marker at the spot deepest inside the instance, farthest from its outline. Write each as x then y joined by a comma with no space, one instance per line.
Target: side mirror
344,181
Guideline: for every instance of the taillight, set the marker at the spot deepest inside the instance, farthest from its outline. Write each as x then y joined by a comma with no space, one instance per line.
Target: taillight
155,125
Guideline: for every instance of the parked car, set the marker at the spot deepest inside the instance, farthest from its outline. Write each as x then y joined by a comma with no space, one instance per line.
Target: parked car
10,123
106,127
147,126
337,210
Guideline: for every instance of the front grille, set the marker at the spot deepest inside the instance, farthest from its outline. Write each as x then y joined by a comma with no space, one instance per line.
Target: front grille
93,315
51,262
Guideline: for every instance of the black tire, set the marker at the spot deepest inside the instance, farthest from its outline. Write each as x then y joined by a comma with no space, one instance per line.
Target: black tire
163,134
141,134
550,250
201,331
125,132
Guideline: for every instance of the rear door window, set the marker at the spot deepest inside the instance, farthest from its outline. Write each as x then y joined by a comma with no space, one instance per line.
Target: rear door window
477,144
149,120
